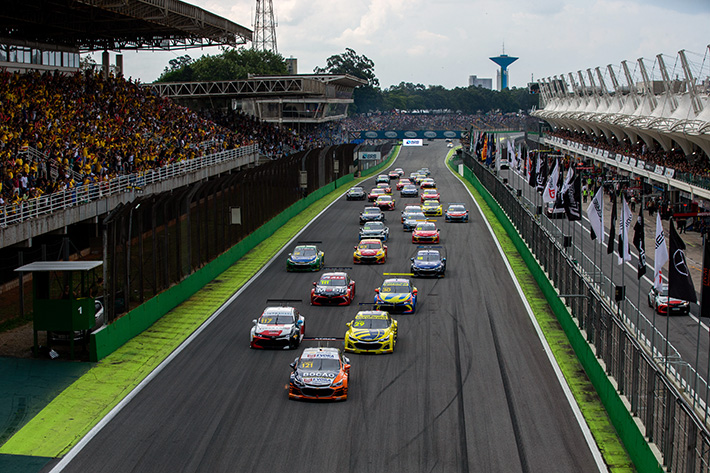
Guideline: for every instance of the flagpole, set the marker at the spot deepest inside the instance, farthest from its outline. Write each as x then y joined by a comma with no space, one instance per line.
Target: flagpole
668,310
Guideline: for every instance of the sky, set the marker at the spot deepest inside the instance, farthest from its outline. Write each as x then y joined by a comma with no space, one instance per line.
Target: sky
446,41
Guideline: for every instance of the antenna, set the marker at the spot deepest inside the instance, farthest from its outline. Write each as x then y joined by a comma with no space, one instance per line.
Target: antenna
264,27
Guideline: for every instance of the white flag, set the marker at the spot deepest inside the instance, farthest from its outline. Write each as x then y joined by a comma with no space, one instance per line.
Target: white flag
512,162
661,255
595,214
624,226
550,193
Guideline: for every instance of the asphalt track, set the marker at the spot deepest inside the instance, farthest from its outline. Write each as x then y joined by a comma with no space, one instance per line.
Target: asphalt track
469,387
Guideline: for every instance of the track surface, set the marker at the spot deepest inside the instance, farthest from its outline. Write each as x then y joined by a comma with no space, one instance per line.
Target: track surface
469,387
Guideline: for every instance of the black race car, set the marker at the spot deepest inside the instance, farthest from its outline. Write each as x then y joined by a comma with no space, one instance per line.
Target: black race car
374,230
356,193
372,214
428,262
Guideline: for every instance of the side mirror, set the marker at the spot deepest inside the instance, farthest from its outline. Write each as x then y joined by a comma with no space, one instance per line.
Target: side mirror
377,290
411,259
315,283
443,260
299,323
349,324
414,291
355,247
384,246
346,360
254,321
293,364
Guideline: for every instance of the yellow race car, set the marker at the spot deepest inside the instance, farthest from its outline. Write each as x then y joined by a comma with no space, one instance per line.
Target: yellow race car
372,331
432,208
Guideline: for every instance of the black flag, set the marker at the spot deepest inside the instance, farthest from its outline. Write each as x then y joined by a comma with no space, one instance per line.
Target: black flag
572,198
612,226
640,244
533,170
705,284
542,172
680,284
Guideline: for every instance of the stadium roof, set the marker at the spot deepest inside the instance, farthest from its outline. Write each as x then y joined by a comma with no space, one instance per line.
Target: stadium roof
96,25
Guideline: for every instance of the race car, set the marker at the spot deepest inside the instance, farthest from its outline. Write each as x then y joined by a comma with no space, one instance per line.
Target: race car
419,178
386,187
355,193
427,183
425,171
432,208
374,230
409,190
372,331
425,232
430,194
428,262
305,258
410,209
320,374
399,171
411,221
385,202
370,251
456,213
278,327
375,193
396,295
659,301
393,174
401,183
383,178
371,214
333,289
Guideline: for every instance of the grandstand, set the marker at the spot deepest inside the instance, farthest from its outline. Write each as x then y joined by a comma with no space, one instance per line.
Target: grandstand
656,121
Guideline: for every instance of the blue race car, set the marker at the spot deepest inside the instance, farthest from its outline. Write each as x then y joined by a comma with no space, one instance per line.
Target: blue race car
396,295
428,262
305,258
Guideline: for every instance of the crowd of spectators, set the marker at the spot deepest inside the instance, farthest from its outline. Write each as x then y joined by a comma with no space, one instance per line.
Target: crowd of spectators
432,121
88,128
698,165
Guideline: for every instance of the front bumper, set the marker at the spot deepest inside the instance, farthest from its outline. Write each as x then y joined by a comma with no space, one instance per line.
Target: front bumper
320,299
280,343
317,393
369,259
429,272
425,239
396,307
376,347
311,266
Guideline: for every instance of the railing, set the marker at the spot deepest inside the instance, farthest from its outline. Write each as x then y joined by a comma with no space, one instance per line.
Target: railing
653,388
11,214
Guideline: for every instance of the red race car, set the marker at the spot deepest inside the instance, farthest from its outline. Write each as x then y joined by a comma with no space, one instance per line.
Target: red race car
425,232
333,289
385,202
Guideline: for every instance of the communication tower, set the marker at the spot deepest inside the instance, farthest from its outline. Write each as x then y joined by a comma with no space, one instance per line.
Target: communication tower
264,27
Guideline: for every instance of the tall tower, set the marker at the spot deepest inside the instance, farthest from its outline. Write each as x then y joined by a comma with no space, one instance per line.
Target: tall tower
503,61
264,27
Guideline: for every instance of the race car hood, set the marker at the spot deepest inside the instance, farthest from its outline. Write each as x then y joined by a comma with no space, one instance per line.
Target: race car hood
318,378
674,301
394,298
367,334
302,259
273,330
427,264
368,252
330,290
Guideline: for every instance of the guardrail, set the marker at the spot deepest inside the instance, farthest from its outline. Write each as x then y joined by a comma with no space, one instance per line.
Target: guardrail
653,389
12,214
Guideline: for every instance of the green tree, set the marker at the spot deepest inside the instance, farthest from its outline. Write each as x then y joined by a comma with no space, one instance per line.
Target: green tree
231,64
351,63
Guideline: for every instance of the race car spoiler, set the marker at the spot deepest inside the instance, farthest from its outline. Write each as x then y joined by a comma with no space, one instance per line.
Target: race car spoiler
394,274
428,247
309,242
336,268
285,301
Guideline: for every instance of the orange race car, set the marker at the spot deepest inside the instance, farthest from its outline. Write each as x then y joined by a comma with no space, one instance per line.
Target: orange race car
320,374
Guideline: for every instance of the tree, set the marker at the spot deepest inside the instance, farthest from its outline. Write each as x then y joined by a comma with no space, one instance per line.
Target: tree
231,64
351,63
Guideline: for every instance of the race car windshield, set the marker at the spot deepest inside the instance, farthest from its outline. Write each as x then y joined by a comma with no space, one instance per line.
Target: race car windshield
304,252
374,226
416,216
395,288
428,257
410,187
333,282
369,246
457,208
319,364
356,189
276,319
426,227
371,323
371,211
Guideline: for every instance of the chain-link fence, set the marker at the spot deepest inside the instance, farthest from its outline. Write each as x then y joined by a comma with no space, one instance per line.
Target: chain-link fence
670,420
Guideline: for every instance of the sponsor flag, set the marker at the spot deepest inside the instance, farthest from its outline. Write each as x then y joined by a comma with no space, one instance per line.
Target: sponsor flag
612,226
550,194
595,214
640,244
680,284
572,195
705,284
661,254
624,226
541,173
